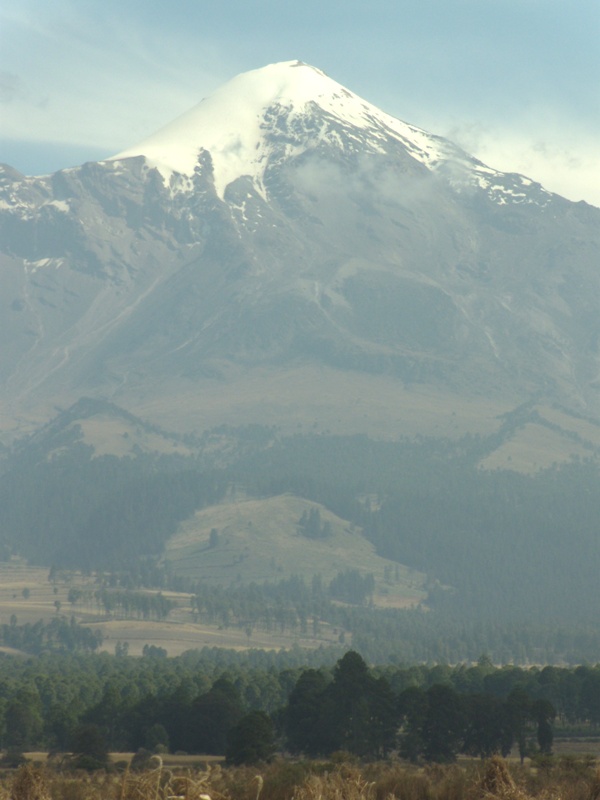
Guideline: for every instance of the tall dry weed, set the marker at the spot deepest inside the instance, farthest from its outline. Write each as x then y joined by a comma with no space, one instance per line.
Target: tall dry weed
497,783
161,784
335,786
595,786
30,783
286,780
393,781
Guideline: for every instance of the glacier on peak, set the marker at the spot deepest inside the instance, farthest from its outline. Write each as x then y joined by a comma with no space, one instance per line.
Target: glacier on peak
259,116
230,124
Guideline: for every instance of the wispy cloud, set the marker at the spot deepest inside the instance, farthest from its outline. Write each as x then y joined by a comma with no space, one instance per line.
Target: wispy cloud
563,161
107,75
10,87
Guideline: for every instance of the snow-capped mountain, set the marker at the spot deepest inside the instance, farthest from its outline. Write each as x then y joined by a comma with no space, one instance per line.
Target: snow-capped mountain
283,247
264,117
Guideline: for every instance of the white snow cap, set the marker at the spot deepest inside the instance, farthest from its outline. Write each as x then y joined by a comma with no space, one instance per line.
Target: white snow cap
229,123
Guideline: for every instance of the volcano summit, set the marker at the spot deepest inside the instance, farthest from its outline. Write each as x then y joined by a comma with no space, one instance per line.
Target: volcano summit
287,252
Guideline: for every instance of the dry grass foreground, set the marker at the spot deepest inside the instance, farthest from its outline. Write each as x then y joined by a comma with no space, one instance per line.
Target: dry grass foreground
492,780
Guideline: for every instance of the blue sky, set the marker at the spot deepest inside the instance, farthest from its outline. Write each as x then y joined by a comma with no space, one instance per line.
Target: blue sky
516,82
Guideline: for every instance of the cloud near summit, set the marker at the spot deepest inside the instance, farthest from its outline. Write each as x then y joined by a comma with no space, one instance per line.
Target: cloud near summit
105,76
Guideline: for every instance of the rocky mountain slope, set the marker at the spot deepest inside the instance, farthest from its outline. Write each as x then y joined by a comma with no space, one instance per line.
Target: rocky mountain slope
286,251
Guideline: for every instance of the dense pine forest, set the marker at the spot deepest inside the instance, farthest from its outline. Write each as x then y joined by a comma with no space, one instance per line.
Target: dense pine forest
201,702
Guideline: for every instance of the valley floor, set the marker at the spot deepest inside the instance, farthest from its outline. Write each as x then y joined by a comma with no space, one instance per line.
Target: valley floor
27,595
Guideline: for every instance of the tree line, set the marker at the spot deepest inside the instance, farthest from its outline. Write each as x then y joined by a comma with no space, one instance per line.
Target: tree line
360,713
56,636
123,603
193,703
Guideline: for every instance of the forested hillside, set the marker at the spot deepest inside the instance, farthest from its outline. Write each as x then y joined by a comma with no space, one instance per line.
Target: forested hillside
511,560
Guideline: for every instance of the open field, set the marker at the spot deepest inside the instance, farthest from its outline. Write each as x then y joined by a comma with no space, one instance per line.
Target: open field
260,540
311,397
585,428
179,760
26,593
534,447
176,638
346,403
119,436
305,398
576,748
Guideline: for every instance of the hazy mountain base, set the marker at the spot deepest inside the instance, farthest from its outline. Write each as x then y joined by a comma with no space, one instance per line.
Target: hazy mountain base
356,262
523,437
511,560
313,398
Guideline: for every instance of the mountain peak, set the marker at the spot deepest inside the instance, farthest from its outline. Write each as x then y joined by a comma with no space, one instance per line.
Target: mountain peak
233,125
345,243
